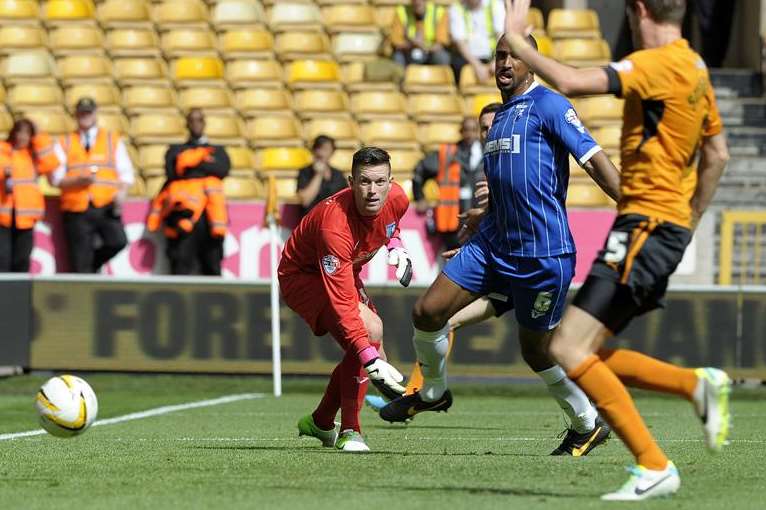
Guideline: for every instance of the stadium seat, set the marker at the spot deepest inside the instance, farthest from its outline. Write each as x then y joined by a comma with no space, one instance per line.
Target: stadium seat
535,18
50,120
28,66
153,184
67,11
349,18
301,45
241,158
240,43
254,101
597,111
577,23
190,70
576,172
320,102
586,194
435,107
608,137
313,73
132,42
470,84
344,131
140,71
384,15
180,13
342,159
224,129
75,68
419,78
76,39
379,104
282,159
211,99
242,188
138,188
229,14
474,104
113,120
151,159
188,41
355,79
288,16
582,52
390,134
2,93
122,14
33,94
139,99
254,73
21,37
433,134
106,95
352,46
274,130
544,44
286,190
157,128
19,12
404,161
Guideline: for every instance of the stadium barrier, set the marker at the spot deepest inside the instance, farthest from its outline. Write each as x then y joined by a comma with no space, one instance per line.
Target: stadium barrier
743,256
166,324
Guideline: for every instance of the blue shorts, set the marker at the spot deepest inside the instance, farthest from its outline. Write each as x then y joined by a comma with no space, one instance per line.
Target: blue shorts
535,287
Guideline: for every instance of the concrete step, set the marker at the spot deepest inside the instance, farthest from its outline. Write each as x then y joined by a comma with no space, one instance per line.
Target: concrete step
746,167
737,82
747,141
743,112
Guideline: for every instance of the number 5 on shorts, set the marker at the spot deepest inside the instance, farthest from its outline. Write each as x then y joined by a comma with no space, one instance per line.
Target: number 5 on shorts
616,247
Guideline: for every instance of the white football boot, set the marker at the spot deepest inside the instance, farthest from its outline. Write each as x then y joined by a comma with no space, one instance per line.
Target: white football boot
711,402
647,483
351,441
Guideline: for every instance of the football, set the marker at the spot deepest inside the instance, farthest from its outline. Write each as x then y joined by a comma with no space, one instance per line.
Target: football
66,405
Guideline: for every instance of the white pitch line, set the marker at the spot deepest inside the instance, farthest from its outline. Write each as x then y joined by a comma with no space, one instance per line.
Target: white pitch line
157,411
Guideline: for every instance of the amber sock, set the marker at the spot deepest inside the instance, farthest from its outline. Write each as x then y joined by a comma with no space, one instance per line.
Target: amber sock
641,371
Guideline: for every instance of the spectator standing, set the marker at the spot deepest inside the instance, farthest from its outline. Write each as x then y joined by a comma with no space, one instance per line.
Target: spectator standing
94,176
24,157
319,180
420,34
475,26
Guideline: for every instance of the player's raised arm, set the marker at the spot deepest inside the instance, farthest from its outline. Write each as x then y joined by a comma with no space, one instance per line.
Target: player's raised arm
570,81
605,174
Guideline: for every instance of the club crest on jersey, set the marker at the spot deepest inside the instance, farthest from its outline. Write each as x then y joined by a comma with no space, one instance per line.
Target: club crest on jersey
519,110
542,304
330,264
571,117
390,229
512,145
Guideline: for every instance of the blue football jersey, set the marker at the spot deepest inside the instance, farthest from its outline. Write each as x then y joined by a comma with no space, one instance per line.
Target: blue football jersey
526,159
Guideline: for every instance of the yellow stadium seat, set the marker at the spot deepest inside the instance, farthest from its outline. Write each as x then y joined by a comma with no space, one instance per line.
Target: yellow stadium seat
62,11
122,13
6,122
132,42
320,102
404,161
253,101
474,104
344,131
286,16
586,194
2,94
191,69
253,72
239,43
188,41
177,13
154,128
49,120
355,79
113,121
407,187
20,11
470,84
274,130
225,129
582,52
576,171
75,68
28,66
236,13
418,78
435,107
148,98
131,71
379,104
35,95
352,46
151,159
21,37
580,23
209,98
390,134
433,134
301,45
106,95
153,185
349,18
276,159
240,157
286,190
544,44
138,188
313,73
535,18
597,111
241,188
385,16
342,159
76,39
608,137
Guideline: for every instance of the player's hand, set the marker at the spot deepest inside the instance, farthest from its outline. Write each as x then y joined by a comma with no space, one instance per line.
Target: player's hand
401,259
471,220
385,378
516,12
446,255
481,194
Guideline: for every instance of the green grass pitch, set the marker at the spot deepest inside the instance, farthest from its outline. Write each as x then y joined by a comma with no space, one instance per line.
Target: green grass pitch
490,451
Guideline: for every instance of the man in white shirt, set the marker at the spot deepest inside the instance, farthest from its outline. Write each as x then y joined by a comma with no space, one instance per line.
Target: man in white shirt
475,27
94,176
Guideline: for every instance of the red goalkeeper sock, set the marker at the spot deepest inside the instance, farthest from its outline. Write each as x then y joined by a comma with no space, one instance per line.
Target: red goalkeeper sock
353,389
324,415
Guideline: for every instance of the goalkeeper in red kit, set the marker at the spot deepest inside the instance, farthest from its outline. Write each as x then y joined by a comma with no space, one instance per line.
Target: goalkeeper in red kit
319,279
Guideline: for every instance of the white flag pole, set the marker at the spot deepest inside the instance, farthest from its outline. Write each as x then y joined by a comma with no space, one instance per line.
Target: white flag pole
276,342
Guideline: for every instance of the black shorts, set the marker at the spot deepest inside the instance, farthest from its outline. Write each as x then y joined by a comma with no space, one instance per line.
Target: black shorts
630,275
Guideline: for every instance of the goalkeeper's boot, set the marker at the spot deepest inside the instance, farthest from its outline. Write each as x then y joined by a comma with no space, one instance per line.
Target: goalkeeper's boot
351,441
405,408
647,483
307,427
580,445
711,401
375,402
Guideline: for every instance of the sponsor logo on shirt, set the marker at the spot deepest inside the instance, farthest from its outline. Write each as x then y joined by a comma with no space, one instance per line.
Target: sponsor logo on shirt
390,229
330,264
508,145
542,304
571,117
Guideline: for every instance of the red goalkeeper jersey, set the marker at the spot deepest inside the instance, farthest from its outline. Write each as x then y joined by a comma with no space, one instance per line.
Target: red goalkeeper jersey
333,241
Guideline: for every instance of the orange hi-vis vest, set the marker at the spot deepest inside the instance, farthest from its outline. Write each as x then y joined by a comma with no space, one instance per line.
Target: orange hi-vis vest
100,162
20,194
181,203
448,177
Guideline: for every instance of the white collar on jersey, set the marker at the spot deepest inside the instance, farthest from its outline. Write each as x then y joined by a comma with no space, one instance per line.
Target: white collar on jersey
531,87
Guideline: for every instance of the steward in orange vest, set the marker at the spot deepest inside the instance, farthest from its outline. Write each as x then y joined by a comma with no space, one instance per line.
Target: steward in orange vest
96,173
190,206
23,158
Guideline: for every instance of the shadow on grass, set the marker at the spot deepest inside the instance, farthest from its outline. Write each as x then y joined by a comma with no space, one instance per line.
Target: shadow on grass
433,427
333,451
477,491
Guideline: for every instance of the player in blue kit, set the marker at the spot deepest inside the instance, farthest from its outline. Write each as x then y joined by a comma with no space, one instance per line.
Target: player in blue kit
523,253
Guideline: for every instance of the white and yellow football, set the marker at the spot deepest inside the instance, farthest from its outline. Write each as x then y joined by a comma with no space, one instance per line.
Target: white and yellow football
67,406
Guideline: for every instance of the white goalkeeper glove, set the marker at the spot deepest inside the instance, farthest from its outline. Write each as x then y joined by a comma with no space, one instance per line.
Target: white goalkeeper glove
385,378
401,259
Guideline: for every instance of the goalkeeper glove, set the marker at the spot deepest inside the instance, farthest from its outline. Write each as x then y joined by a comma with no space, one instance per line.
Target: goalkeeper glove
401,259
385,378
